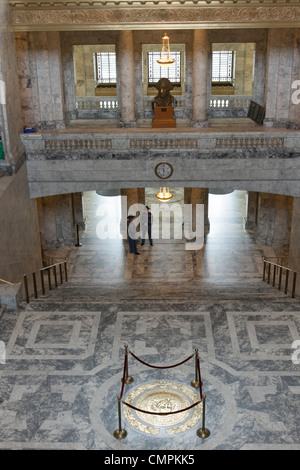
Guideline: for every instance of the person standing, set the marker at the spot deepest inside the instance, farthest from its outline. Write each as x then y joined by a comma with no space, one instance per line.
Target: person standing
146,222
130,235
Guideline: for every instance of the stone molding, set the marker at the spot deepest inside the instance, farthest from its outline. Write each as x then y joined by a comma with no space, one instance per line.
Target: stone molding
158,17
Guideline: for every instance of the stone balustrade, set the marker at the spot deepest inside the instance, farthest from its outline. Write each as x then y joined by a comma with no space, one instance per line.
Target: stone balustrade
47,145
69,162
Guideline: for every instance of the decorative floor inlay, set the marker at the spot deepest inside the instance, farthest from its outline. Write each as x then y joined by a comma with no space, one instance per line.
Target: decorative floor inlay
163,397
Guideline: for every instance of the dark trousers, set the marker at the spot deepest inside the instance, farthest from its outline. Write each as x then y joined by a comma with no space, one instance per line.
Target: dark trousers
132,245
149,235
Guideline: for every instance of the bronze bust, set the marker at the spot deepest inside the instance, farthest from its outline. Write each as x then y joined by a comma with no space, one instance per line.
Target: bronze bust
164,98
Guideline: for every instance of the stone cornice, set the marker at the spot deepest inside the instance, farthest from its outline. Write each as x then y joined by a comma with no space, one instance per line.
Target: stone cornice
174,3
156,17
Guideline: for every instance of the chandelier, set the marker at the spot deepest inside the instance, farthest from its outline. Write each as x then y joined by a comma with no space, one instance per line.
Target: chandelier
164,194
165,58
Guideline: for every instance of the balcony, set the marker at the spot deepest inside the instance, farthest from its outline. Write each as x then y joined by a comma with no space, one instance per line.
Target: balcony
233,153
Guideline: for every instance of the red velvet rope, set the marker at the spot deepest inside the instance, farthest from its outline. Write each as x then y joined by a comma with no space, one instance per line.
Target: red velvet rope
161,414
161,367
124,373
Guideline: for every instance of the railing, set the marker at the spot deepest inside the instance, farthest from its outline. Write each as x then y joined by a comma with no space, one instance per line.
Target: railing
97,103
229,102
280,276
248,141
99,143
52,279
34,282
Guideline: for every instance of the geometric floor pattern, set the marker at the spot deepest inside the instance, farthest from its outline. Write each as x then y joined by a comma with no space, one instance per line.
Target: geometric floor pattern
61,379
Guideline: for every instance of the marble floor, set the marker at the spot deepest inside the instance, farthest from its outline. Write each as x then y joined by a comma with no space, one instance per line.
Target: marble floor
65,351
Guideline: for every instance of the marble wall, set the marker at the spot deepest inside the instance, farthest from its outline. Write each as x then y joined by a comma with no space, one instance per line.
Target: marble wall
20,250
294,253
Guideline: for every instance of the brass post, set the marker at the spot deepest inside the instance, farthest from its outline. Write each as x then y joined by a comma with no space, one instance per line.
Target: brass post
127,379
120,433
203,432
195,382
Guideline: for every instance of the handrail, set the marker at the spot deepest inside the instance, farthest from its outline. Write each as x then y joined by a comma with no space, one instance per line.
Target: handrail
41,271
279,268
13,283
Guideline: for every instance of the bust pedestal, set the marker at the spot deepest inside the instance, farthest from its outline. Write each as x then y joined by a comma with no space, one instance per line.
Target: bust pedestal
163,117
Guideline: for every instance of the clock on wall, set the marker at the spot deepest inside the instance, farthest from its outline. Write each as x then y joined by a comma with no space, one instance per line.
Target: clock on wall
163,170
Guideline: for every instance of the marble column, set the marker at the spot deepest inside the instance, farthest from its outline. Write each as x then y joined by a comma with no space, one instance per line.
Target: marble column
126,79
274,217
201,49
57,220
198,196
251,211
10,105
40,76
282,57
134,196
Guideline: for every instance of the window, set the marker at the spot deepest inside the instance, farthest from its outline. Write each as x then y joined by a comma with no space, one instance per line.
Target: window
223,66
105,65
156,72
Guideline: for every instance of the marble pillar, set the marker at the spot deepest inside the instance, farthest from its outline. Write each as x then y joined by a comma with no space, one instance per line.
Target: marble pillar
251,211
10,104
58,216
281,72
294,251
274,217
134,196
198,196
127,80
40,77
201,50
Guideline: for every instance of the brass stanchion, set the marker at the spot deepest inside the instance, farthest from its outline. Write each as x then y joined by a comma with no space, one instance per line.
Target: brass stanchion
203,432
127,379
195,382
120,433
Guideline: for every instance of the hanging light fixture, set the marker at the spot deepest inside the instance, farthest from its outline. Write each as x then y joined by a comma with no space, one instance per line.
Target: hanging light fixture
164,194
165,59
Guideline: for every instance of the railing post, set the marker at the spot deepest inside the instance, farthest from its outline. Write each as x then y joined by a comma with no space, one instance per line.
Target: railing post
42,281
286,281
66,271
269,273
203,432
195,382
34,285
264,270
60,273
49,279
294,284
120,433
26,289
274,275
55,275
280,277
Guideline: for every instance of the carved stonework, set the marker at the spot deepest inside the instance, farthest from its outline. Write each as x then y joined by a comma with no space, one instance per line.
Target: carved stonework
207,16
